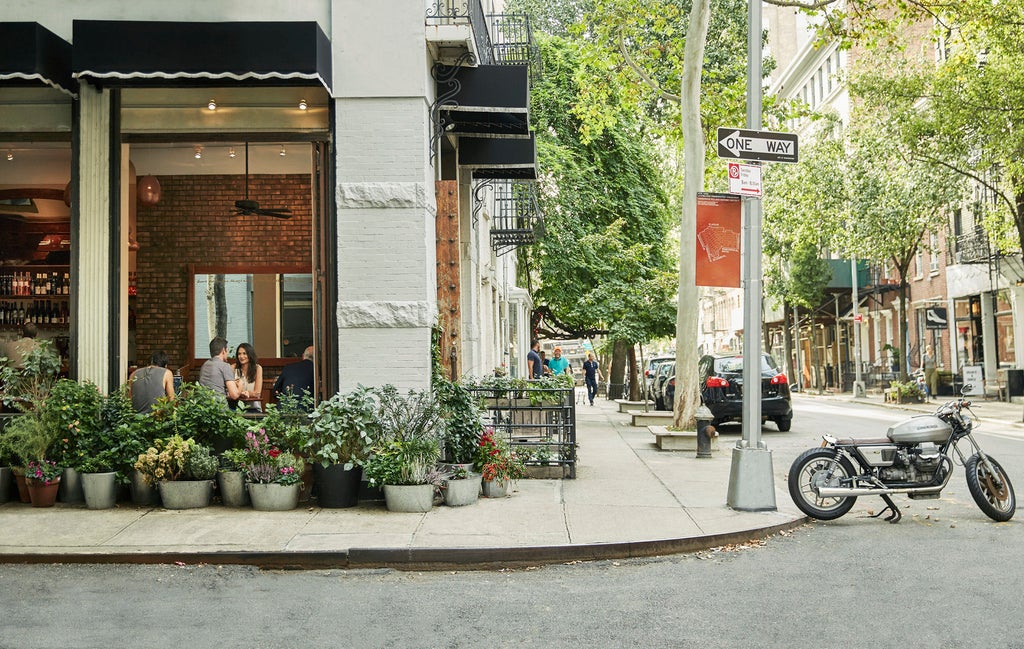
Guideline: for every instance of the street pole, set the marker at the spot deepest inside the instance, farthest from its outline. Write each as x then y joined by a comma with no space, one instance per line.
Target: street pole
751,482
858,383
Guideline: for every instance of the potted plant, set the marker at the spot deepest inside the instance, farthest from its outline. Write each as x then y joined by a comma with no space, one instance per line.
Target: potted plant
288,426
273,476
182,469
42,478
231,478
498,464
405,460
461,487
344,429
73,410
99,478
463,422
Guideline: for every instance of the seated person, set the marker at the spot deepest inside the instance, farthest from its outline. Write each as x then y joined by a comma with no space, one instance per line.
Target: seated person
147,384
297,378
249,377
216,374
18,349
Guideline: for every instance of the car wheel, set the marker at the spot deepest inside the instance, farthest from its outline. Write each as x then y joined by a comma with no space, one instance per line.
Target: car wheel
784,424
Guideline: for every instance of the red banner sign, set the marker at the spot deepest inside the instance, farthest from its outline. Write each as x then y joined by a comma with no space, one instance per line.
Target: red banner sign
719,228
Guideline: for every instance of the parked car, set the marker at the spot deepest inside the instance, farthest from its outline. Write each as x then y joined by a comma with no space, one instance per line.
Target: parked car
721,386
651,372
665,371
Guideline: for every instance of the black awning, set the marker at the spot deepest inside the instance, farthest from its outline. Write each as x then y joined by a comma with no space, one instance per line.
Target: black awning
184,53
30,54
489,100
491,157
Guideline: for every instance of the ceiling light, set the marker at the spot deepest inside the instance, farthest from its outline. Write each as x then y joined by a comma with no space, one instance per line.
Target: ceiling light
10,155
283,152
303,105
212,105
199,152
231,152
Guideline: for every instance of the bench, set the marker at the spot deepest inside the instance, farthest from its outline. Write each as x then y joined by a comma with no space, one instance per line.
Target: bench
678,440
652,418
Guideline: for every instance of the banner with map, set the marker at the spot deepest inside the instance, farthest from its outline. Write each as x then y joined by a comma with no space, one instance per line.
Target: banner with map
719,226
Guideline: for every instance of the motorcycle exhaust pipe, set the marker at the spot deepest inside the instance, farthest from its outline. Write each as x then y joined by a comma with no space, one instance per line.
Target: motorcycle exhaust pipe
835,492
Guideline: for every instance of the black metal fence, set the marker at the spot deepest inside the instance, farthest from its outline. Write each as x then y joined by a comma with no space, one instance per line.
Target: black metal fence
539,423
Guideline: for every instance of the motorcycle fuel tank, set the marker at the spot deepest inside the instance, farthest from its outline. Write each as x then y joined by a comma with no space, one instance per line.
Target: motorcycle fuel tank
923,428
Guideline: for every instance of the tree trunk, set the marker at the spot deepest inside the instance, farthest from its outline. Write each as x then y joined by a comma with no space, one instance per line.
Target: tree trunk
903,328
634,389
693,182
617,372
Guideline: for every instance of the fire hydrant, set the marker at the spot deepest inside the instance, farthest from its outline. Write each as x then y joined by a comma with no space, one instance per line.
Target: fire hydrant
705,431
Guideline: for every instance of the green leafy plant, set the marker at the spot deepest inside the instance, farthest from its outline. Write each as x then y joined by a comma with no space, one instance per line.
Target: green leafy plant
463,421
200,464
26,389
198,412
46,471
906,391
344,428
496,460
411,429
233,459
287,422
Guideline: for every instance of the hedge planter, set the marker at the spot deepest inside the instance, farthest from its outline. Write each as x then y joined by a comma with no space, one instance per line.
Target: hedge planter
42,494
495,488
71,487
461,492
143,493
232,488
270,497
409,498
185,494
100,490
5,484
336,486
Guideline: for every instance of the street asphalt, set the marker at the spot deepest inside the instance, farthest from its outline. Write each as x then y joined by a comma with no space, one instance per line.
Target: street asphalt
629,499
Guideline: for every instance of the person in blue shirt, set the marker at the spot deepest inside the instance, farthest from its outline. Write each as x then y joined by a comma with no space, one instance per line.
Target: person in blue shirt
558,364
591,374
534,364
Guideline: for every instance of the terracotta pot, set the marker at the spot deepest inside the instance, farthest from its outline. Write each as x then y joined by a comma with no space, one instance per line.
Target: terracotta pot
19,479
42,494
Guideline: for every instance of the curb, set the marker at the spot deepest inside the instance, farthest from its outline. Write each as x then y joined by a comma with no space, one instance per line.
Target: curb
420,559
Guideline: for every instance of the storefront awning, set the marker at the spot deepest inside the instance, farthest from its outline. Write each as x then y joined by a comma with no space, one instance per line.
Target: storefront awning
499,157
488,100
186,53
30,54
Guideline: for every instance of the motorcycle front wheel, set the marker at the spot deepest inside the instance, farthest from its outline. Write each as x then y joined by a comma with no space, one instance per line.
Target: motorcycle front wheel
992,492
814,468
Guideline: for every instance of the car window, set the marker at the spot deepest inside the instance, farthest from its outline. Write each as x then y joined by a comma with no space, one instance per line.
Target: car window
734,364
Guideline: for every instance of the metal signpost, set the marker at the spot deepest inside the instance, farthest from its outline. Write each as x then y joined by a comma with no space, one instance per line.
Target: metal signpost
751,481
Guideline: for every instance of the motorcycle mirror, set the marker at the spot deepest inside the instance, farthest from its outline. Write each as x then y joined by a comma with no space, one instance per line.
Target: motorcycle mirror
967,388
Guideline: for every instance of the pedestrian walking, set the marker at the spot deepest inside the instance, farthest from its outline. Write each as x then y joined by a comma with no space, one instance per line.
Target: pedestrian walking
592,373
931,373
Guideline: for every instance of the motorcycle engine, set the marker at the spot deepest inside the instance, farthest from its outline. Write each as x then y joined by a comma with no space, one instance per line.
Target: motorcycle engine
914,464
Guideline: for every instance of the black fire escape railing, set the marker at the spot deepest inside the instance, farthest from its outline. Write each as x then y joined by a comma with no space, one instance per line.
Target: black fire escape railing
973,248
454,12
512,42
517,219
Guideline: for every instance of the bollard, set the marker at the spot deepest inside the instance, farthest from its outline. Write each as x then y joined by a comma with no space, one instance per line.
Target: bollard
705,431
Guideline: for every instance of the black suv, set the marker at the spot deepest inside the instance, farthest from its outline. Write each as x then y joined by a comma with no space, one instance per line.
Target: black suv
721,389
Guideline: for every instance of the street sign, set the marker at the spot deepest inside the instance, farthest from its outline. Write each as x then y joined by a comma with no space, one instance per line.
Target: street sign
744,180
858,318
935,318
767,146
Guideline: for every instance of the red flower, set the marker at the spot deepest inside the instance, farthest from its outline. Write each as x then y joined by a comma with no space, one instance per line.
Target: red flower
274,452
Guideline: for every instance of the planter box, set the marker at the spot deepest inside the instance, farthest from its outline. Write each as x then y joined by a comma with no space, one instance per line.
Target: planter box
100,490
232,488
495,489
185,494
417,498
273,497
458,493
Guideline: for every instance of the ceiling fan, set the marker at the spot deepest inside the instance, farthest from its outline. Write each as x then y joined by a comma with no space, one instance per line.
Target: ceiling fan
246,207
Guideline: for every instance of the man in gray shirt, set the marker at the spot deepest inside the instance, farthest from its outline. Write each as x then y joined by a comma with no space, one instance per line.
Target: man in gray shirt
216,374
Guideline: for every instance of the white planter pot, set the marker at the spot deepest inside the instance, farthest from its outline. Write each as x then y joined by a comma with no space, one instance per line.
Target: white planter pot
462,492
273,497
409,498
185,494
232,488
100,490
495,489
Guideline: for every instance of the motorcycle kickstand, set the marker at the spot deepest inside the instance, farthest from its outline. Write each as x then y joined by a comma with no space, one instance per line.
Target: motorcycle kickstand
895,516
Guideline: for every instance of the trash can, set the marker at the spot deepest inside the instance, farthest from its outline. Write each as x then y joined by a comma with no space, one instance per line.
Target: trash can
1015,383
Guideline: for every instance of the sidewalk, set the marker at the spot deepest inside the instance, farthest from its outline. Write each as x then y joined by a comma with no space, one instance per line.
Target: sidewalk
629,500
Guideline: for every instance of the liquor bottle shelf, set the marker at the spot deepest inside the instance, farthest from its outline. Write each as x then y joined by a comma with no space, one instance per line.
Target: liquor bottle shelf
35,297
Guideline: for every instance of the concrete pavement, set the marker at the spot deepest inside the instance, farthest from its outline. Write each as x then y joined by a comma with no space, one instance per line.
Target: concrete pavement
629,499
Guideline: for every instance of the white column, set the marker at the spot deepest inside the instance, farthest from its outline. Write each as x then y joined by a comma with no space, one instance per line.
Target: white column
1017,304
988,336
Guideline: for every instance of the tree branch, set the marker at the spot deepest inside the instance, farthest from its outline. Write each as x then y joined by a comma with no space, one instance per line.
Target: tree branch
643,75
972,176
801,4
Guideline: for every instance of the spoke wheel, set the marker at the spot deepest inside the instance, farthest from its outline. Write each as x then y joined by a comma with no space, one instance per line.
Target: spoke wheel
991,490
815,469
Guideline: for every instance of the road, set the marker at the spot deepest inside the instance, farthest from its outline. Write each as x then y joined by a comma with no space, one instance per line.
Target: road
942,578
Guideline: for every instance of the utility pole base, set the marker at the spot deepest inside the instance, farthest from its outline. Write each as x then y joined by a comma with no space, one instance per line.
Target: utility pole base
751,483
858,389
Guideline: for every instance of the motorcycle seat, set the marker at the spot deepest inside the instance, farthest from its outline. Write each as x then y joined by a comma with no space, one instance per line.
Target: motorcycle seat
850,441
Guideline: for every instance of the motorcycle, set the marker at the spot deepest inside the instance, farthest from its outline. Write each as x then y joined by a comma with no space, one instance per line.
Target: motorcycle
914,458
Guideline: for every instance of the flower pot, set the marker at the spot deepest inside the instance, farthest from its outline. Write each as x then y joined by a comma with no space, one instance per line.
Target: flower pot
462,492
185,494
5,484
41,493
495,488
19,481
409,498
232,488
335,486
71,487
100,489
270,497
143,493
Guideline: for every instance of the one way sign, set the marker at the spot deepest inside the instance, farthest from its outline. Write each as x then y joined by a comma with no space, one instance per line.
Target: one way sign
766,146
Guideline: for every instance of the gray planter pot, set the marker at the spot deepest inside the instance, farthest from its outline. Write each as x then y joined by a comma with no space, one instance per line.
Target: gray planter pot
185,494
6,477
143,493
100,490
495,489
71,487
462,492
409,498
273,497
232,488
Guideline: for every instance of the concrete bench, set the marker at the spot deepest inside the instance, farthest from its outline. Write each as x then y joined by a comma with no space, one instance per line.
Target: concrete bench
678,440
626,405
651,418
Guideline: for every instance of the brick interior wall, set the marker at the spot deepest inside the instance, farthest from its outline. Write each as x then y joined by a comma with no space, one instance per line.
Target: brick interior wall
193,224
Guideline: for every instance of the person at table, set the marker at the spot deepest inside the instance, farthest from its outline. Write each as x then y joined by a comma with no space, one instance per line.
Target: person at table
18,350
296,378
147,384
249,377
216,374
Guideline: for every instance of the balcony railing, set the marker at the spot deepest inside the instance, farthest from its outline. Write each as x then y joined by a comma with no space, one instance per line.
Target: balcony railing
972,248
517,220
462,12
512,42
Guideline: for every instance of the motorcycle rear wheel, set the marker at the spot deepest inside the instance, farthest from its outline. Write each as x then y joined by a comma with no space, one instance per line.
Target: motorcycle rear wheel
810,470
993,493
